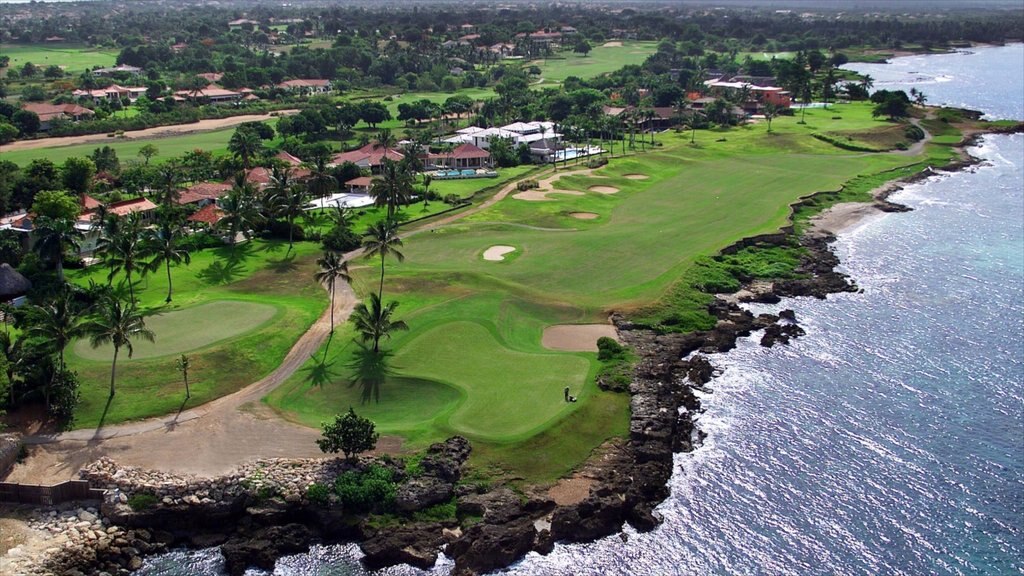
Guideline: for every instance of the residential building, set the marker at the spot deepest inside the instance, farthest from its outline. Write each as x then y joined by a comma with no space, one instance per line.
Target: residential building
306,86
464,156
123,68
203,193
49,112
111,93
370,156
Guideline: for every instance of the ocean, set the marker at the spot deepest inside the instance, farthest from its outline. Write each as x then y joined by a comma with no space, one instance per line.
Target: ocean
890,438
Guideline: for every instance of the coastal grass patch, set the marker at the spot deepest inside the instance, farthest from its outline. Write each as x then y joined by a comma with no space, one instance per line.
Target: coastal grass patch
253,276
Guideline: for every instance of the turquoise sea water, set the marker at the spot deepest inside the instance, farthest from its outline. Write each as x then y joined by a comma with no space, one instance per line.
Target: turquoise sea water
889,439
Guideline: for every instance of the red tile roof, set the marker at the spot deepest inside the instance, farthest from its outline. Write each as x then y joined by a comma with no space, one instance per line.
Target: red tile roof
48,112
468,150
362,181
282,155
89,203
203,191
209,214
126,207
372,154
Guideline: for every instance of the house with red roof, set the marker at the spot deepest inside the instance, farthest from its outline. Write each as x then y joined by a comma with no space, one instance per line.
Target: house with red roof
288,159
359,185
49,112
203,193
207,216
464,156
370,156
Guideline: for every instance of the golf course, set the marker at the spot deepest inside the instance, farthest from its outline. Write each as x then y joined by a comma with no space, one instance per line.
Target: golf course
503,299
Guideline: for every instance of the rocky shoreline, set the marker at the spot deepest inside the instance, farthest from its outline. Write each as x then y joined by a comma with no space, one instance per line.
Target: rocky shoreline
262,512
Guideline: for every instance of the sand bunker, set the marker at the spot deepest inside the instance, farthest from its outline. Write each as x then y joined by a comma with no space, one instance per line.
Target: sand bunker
576,337
584,215
636,176
546,186
497,253
604,189
612,44
539,195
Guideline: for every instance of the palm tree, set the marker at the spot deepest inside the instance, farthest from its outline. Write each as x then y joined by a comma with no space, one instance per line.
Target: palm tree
374,322
292,205
245,143
163,245
123,251
53,237
393,188
427,181
381,239
168,176
867,82
386,140
57,323
286,199
332,268
240,211
117,325
320,181
771,110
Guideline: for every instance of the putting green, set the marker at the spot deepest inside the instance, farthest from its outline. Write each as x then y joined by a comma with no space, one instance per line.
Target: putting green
510,393
189,329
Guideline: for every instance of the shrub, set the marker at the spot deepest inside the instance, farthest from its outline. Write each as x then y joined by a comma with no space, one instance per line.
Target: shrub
364,491
608,348
913,133
340,239
437,512
142,501
526,185
318,493
452,199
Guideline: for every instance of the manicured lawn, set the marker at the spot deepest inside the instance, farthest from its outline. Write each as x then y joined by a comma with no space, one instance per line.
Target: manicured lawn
190,328
601,60
70,57
237,313
215,141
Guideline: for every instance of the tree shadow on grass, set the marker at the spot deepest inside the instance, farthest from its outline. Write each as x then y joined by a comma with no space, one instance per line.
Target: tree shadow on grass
283,265
271,247
236,253
369,370
219,272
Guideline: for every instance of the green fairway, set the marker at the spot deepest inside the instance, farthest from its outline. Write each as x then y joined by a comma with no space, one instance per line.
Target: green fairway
271,299
189,329
215,141
476,325
602,59
70,57
509,393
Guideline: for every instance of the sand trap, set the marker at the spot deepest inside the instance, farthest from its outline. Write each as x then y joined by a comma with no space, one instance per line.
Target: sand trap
604,189
584,215
497,253
537,195
612,44
576,337
636,176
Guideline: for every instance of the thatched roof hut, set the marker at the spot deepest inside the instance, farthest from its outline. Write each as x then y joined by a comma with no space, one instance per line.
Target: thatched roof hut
12,283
